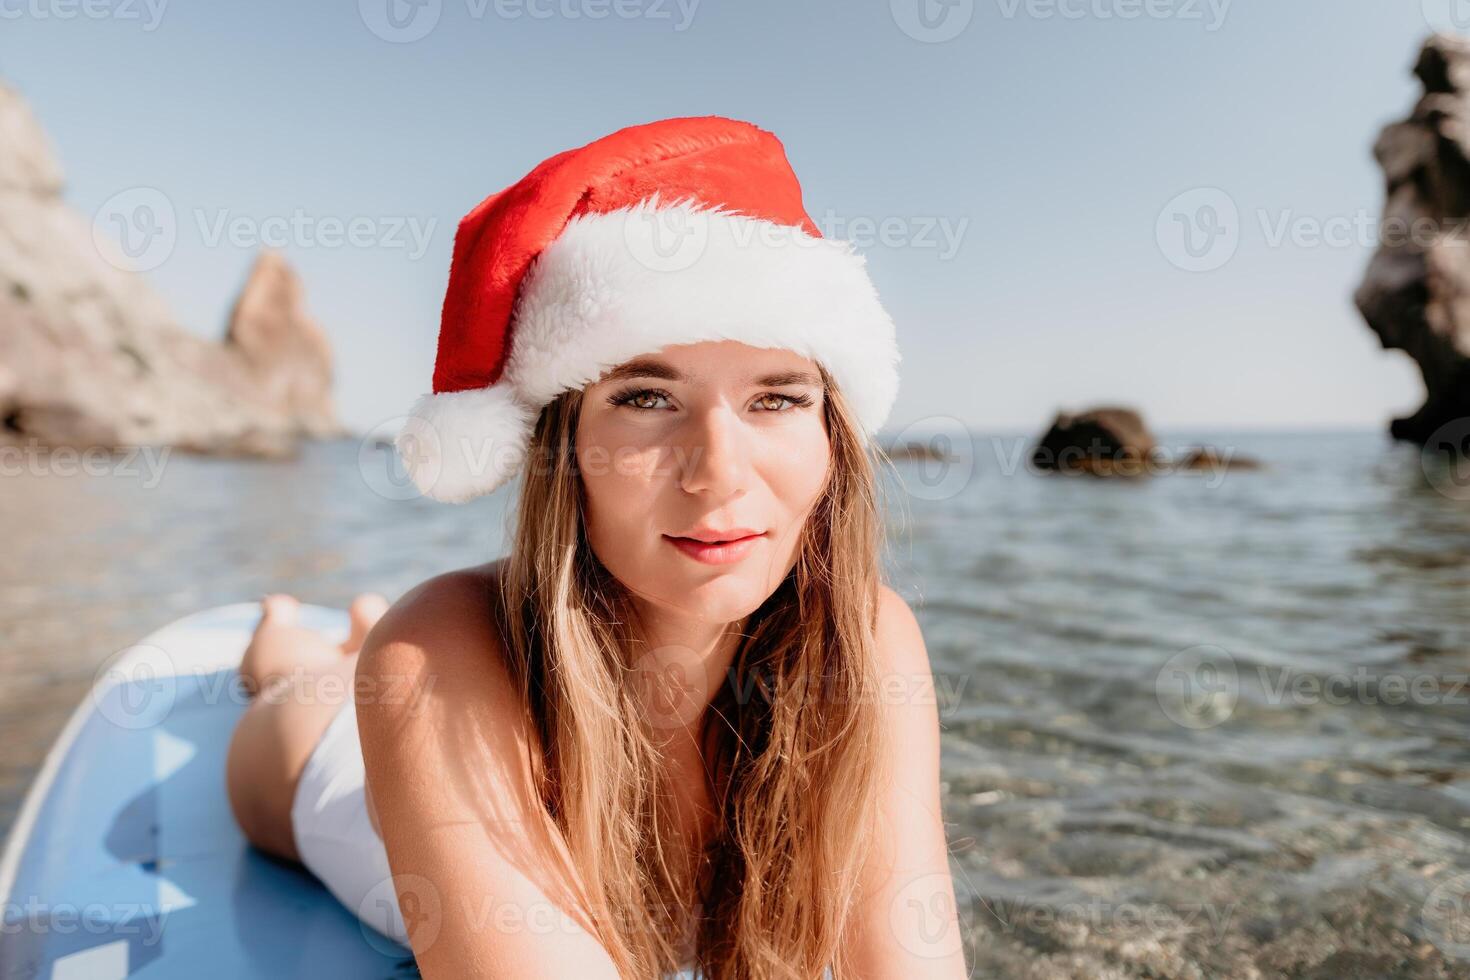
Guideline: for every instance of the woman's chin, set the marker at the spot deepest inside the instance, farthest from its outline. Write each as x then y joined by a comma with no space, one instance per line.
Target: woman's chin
722,598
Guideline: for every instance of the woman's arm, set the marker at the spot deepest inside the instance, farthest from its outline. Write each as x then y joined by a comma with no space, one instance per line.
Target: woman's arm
907,927
482,879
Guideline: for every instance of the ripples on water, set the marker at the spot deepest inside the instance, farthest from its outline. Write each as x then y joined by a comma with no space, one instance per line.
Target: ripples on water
1173,744
1289,815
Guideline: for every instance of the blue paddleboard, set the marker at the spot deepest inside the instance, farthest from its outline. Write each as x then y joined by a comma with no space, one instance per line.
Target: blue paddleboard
125,860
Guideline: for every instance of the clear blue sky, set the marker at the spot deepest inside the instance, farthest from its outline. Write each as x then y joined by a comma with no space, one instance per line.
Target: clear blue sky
1049,135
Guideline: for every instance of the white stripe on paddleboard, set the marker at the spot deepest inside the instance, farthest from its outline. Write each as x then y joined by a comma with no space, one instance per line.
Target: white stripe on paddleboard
170,754
108,962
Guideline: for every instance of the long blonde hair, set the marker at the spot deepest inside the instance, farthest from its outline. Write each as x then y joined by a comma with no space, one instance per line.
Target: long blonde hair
792,740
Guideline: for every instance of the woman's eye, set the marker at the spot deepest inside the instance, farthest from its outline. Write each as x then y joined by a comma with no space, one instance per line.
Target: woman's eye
795,401
639,399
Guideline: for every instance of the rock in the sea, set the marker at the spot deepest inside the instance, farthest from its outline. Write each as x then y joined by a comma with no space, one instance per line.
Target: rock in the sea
1104,441
1210,458
91,356
917,451
1116,442
1416,292
287,354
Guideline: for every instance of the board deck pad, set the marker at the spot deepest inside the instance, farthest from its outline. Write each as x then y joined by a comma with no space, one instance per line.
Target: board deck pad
125,860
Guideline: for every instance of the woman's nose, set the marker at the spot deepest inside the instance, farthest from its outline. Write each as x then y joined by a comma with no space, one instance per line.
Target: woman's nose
716,456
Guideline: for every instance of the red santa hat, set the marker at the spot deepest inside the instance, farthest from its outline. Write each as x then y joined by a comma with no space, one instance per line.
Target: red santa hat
672,232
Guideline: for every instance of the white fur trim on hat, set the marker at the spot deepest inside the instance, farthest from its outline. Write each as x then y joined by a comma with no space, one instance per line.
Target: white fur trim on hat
625,283
617,285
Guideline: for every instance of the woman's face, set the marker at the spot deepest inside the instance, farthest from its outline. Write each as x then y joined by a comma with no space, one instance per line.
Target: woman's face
703,440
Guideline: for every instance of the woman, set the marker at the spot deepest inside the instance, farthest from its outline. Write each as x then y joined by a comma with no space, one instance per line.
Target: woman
683,722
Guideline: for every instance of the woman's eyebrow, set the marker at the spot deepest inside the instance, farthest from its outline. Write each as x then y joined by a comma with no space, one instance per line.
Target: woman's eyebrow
642,369
658,369
786,378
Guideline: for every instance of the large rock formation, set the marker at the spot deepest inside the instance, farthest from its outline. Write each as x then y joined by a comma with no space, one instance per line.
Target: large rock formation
90,356
1416,293
286,354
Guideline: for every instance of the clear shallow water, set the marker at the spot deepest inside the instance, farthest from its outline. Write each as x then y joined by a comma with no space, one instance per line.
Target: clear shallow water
1174,744
1177,745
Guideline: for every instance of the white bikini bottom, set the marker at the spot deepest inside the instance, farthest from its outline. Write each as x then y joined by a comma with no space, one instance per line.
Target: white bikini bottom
334,835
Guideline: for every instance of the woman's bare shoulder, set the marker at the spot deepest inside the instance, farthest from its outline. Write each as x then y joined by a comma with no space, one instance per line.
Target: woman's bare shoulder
450,611
447,744
438,651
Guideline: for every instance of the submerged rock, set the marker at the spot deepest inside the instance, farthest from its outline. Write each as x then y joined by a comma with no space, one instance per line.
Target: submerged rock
90,356
1210,458
917,451
1416,292
1103,441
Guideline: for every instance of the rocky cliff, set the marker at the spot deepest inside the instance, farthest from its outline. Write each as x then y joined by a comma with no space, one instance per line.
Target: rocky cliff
91,356
1416,293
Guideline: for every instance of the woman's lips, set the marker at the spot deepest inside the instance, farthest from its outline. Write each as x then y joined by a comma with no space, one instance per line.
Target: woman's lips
719,553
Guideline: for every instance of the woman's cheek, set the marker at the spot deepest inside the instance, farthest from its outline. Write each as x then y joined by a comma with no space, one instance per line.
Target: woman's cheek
800,465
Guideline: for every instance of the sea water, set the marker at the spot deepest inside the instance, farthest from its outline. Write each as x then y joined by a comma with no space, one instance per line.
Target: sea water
1193,724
